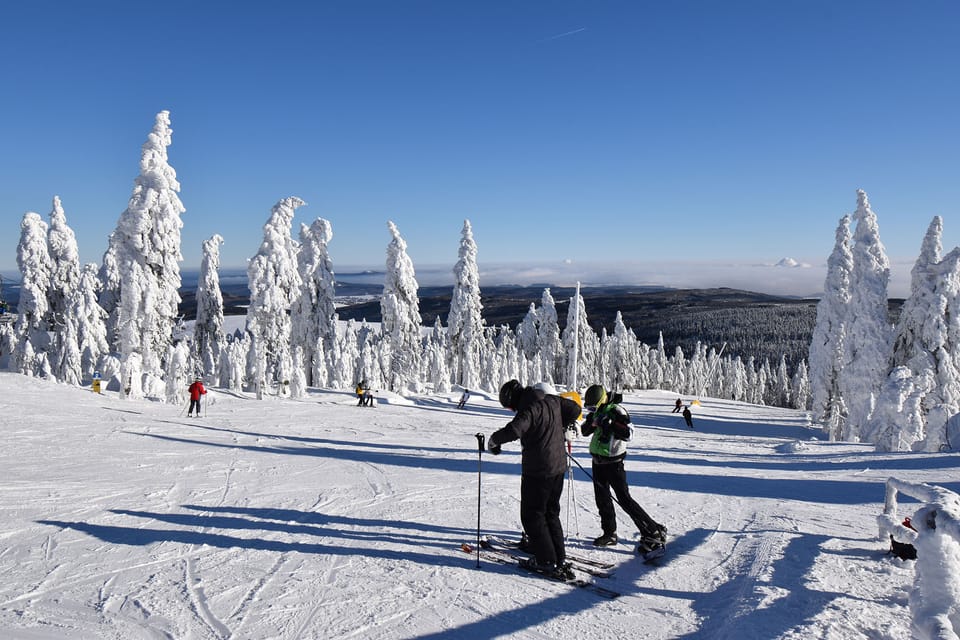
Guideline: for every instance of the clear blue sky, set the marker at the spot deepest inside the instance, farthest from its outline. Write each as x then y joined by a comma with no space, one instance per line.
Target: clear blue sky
583,131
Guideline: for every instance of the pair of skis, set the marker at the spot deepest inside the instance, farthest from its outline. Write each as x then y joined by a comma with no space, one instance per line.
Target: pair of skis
510,557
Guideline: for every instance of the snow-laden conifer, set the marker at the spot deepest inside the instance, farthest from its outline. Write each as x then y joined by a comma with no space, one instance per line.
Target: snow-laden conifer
581,349
33,309
465,320
940,380
551,345
141,266
314,316
274,282
927,334
208,336
826,345
868,335
64,283
400,313
528,332
897,419
83,308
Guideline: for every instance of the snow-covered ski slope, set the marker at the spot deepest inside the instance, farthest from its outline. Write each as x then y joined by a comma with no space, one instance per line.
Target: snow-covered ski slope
316,518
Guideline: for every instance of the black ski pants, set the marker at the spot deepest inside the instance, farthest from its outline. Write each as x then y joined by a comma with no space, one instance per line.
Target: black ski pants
540,516
613,476
194,405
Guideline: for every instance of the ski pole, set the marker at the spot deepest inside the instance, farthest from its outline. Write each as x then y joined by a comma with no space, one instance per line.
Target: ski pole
571,496
479,479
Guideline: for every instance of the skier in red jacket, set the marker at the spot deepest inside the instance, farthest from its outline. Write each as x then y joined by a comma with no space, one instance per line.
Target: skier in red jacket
196,390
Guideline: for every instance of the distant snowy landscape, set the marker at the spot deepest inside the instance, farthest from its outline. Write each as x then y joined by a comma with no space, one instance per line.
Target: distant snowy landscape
316,518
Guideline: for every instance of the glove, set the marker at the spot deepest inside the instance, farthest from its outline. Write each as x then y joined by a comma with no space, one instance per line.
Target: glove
493,447
571,432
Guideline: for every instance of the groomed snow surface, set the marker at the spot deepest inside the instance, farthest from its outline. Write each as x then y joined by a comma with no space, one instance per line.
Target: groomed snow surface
316,518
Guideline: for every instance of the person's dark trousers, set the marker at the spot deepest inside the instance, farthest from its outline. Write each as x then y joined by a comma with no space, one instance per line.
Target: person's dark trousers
194,404
613,476
540,516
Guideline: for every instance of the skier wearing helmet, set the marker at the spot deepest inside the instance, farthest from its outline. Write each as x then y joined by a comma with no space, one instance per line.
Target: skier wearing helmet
610,426
539,424
196,391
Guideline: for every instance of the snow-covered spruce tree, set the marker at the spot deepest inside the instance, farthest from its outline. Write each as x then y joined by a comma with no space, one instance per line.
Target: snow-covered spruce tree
465,320
800,387
582,348
179,373
657,365
551,346
298,373
33,310
274,283
528,330
400,313
435,359
314,316
780,385
141,267
346,374
868,335
208,336
927,334
826,344
82,307
64,281
897,419
942,336
621,367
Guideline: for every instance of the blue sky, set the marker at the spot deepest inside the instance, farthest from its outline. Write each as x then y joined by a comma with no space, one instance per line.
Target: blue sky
568,133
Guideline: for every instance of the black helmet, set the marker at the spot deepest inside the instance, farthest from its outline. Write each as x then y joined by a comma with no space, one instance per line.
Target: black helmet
510,394
595,395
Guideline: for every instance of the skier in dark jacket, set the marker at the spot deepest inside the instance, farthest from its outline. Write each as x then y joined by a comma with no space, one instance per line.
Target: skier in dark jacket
196,392
539,424
688,417
610,427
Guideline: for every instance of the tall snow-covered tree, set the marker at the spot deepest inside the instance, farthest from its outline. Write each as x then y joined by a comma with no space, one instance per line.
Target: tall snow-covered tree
582,348
314,316
897,419
141,267
826,345
939,380
551,345
868,335
465,320
274,282
208,336
926,341
400,313
64,282
82,307
33,310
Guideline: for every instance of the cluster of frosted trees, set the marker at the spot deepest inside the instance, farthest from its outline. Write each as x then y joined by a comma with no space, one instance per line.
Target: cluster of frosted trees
895,386
120,319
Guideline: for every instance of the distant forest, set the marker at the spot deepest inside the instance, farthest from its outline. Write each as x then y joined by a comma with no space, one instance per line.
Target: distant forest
751,324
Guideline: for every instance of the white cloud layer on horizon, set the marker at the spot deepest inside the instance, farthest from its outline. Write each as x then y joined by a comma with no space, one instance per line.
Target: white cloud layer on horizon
785,277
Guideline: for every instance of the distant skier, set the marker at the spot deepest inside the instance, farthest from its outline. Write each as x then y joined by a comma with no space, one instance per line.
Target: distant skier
688,417
196,392
364,397
609,423
463,399
678,406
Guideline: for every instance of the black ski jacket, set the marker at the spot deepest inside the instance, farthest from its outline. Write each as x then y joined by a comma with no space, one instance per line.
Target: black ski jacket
539,425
